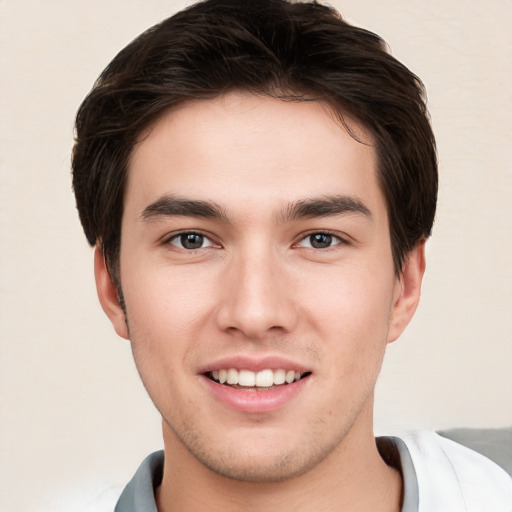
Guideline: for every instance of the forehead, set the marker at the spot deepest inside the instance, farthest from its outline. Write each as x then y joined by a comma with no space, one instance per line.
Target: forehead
240,150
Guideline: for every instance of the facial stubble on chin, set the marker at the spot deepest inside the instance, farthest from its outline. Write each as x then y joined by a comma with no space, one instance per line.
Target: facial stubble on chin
317,445
276,468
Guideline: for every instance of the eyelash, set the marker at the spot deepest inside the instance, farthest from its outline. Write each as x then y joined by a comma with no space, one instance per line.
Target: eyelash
177,236
335,236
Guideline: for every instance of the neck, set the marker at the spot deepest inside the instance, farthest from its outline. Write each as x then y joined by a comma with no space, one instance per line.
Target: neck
353,477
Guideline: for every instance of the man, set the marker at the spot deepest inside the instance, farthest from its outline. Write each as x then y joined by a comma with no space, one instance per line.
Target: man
259,179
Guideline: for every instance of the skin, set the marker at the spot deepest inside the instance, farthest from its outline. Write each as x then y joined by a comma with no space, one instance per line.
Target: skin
257,287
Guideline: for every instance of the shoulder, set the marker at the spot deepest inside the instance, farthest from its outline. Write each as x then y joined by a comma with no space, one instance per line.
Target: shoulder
495,444
452,477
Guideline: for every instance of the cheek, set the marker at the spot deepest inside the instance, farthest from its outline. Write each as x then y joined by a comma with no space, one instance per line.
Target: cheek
351,312
162,323
169,295
349,299
169,312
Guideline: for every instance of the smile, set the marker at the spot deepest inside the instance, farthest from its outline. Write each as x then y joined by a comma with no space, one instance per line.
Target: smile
259,381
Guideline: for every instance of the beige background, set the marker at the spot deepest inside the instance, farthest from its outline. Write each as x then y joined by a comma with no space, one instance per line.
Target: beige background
75,421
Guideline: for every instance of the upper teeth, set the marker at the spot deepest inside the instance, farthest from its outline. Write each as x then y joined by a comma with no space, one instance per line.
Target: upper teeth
264,378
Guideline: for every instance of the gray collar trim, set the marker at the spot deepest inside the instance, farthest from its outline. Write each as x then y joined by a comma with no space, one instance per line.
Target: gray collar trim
139,494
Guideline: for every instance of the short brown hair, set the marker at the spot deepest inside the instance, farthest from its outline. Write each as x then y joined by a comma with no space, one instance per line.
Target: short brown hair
280,48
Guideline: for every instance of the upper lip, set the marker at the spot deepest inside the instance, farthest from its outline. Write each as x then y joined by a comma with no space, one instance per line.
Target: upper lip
255,364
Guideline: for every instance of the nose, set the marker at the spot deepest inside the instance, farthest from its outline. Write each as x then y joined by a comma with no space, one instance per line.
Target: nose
257,296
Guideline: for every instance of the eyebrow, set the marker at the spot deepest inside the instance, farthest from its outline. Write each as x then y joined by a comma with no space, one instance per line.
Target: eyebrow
169,205
325,206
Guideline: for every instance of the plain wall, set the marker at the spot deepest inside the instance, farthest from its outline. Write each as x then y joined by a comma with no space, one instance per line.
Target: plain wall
75,421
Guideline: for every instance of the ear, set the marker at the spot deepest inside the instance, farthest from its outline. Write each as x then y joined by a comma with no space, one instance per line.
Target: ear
407,291
107,294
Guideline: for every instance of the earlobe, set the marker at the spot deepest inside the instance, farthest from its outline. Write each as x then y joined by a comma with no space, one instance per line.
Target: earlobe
407,291
107,294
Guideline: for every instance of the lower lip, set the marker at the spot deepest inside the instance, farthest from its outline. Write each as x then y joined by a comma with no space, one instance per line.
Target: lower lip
255,401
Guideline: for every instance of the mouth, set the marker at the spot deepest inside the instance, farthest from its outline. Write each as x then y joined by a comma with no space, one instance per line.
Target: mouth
256,386
264,380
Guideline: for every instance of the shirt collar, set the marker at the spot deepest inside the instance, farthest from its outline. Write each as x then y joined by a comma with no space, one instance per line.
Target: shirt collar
139,494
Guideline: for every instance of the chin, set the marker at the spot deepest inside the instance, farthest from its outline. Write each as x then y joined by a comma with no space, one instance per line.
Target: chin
262,470
261,459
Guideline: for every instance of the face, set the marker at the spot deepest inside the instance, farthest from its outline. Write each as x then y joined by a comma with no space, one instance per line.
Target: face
258,277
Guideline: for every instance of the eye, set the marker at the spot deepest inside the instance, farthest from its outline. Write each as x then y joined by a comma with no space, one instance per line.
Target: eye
190,241
319,240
